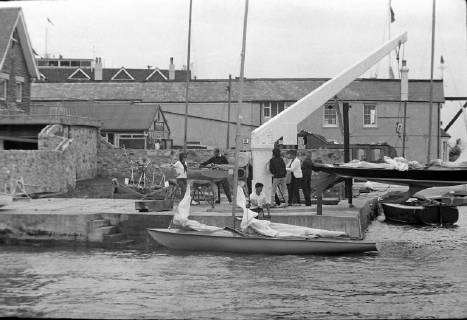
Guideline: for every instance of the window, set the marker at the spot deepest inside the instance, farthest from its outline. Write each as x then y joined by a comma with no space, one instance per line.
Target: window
377,155
267,110
273,108
65,63
74,63
53,63
3,88
19,92
369,115
42,63
361,154
330,116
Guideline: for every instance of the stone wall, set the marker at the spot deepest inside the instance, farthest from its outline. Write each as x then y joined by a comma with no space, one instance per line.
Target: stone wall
84,146
40,170
115,162
66,154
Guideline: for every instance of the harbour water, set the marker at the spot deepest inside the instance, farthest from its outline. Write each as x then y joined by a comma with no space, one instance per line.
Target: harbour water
417,273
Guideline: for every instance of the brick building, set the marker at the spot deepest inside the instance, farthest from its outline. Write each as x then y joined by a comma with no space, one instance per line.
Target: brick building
83,70
17,64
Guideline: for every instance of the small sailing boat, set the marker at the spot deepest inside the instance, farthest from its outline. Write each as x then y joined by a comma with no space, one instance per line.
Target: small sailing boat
256,236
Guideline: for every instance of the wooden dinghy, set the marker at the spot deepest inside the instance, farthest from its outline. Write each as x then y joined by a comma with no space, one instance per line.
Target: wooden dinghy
235,242
431,214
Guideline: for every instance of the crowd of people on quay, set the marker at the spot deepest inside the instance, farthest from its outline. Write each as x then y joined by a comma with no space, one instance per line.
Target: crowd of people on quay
290,172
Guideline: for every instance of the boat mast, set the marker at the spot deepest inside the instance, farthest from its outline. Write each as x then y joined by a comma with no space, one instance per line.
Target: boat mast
240,103
187,77
430,114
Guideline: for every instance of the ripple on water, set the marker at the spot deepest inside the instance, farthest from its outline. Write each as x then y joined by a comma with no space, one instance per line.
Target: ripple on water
418,272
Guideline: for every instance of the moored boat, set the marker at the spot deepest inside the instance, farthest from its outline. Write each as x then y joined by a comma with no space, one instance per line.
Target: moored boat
229,241
420,177
430,214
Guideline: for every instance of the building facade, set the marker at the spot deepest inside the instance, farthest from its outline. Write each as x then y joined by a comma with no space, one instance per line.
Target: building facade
376,114
17,64
63,69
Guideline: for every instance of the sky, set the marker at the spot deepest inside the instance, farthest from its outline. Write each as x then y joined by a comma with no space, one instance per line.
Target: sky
285,38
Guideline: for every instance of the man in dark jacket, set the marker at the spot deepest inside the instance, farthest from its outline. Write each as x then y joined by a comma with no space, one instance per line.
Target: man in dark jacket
219,159
277,169
307,166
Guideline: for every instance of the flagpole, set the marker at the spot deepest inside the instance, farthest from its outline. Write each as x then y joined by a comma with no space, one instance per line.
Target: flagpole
240,103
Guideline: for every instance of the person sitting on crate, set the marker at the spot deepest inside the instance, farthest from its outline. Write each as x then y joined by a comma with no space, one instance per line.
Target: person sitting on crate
258,201
219,159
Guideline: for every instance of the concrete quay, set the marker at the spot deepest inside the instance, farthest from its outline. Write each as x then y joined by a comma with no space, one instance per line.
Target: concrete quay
115,222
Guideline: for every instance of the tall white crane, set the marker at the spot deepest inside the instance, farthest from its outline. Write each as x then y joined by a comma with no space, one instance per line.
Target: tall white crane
285,123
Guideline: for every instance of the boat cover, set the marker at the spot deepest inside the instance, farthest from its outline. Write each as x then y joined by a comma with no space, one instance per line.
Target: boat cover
402,164
182,213
278,230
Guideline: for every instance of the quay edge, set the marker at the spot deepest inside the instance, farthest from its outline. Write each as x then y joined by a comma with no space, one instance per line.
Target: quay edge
128,228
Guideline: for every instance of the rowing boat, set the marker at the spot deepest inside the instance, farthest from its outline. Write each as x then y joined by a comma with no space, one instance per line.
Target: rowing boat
230,241
431,214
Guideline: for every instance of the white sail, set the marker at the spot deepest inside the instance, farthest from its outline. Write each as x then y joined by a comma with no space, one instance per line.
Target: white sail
277,230
182,213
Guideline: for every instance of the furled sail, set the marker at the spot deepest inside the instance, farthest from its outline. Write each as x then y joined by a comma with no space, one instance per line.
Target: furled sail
182,213
277,230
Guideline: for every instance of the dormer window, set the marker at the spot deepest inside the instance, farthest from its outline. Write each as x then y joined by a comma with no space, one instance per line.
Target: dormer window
122,74
79,74
156,75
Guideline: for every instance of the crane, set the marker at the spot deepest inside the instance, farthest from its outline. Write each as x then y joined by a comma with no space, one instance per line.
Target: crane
284,125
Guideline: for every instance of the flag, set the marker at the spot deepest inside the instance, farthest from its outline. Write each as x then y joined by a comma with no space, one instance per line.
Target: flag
49,21
441,60
393,18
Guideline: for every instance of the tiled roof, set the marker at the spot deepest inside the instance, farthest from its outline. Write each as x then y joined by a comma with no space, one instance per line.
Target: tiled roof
57,74
215,90
11,18
123,116
8,17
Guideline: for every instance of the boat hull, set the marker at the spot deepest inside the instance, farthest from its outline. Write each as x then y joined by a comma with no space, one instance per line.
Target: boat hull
195,241
421,215
421,177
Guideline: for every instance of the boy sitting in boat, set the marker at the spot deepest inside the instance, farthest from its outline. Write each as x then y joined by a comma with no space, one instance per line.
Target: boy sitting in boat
258,201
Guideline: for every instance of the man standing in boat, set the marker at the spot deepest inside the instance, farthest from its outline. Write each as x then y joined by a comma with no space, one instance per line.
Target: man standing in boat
219,159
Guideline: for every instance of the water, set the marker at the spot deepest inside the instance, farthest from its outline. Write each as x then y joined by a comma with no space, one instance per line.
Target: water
417,273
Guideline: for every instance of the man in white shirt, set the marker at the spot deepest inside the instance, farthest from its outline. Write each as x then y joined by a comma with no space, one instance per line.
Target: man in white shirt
294,166
258,201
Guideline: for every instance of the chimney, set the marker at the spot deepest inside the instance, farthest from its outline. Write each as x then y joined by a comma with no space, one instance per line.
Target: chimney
404,81
171,69
98,69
